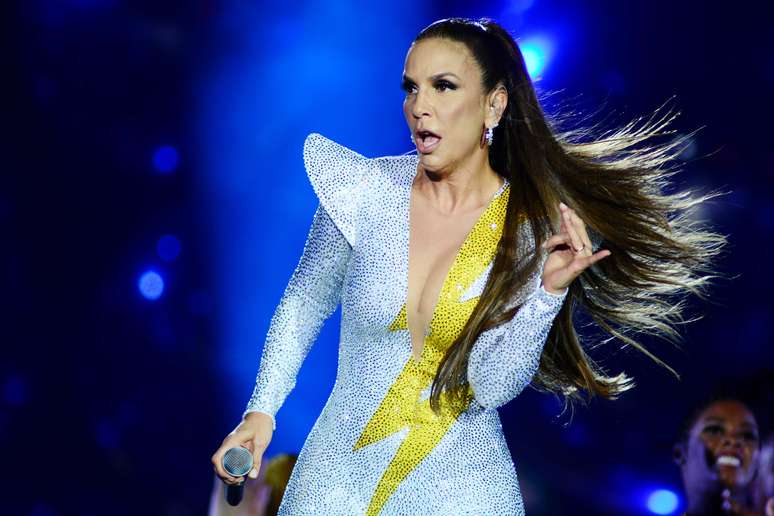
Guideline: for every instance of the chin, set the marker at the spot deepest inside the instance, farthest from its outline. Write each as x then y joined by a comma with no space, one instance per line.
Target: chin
430,160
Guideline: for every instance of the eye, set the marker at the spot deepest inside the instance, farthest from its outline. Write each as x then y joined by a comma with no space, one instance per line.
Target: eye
750,436
446,85
713,430
407,87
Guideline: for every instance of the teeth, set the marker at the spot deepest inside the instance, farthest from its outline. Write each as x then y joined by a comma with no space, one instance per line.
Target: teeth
729,460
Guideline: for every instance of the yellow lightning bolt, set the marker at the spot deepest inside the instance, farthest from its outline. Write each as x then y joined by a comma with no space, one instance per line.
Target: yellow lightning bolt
402,407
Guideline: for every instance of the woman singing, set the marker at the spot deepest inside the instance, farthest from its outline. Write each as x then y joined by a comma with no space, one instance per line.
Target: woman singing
458,269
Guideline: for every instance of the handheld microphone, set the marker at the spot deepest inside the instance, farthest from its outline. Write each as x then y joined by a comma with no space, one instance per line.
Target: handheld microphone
237,462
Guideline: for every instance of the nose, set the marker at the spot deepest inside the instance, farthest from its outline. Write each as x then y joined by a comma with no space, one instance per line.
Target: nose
421,105
732,440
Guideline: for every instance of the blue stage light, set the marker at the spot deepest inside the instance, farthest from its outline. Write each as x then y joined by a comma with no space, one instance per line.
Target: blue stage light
151,285
168,248
662,501
537,52
165,159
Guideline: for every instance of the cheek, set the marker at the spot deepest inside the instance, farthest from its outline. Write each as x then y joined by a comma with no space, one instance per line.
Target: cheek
712,442
463,116
704,451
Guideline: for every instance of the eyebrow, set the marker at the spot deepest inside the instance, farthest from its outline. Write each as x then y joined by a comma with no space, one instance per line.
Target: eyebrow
432,77
713,419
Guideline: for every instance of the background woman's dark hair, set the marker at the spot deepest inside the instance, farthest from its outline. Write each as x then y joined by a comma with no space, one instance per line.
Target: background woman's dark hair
618,187
692,416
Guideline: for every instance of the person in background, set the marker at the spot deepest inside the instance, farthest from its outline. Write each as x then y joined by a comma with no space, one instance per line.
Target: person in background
764,482
718,459
262,495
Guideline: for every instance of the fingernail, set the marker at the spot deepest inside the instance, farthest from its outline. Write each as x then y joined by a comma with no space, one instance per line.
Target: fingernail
253,473
562,205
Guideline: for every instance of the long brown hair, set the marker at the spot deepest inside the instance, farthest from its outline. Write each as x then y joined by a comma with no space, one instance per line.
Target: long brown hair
618,186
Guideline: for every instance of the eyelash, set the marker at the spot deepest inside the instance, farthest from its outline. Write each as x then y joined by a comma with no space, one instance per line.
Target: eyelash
446,84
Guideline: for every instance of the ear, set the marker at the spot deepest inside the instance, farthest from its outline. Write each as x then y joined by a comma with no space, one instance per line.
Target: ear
497,101
678,454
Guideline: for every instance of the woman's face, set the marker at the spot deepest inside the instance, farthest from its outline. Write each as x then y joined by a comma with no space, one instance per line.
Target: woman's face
444,96
723,446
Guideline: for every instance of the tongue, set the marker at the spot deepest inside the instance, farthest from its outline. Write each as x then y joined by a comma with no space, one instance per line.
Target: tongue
430,140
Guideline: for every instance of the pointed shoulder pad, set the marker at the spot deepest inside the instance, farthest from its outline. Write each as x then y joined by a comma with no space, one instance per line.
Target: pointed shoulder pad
338,176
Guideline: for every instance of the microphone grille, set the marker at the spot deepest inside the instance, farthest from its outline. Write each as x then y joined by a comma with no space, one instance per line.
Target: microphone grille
238,461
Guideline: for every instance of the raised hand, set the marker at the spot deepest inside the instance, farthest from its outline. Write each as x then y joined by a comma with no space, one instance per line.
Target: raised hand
733,507
570,252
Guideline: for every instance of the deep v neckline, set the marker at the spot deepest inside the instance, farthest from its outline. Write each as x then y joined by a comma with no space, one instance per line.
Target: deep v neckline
407,257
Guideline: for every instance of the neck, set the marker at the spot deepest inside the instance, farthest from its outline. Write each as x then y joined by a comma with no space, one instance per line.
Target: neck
459,190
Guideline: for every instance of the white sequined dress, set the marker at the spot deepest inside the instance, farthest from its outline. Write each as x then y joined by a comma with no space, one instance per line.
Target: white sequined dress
376,447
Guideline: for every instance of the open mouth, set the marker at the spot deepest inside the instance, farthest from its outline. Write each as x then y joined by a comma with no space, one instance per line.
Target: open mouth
729,460
426,140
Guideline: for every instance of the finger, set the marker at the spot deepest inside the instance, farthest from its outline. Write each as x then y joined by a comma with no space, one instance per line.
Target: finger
585,262
258,449
221,471
558,239
225,477
229,478
257,457
562,226
580,227
577,243
232,440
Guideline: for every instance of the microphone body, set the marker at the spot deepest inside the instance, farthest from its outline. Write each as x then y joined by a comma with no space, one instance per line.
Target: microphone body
237,462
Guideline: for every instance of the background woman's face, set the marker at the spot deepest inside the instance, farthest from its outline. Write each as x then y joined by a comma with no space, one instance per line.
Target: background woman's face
443,95
723,445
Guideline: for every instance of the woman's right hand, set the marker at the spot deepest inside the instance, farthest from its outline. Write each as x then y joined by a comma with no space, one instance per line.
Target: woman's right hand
254,433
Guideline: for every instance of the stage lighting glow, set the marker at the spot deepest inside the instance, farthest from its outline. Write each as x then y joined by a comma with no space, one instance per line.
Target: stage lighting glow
15,391
151,285
107,435
168,248
521,5
537,52
165,159
662,501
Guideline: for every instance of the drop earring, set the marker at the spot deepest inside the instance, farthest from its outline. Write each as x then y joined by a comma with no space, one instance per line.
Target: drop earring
489,135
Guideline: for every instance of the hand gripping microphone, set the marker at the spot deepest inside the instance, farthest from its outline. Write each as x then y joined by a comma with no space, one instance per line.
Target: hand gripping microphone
237,462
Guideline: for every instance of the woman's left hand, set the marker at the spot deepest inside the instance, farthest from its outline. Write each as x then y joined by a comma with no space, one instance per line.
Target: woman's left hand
570,252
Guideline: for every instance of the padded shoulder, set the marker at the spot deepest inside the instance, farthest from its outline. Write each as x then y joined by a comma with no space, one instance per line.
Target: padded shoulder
338,176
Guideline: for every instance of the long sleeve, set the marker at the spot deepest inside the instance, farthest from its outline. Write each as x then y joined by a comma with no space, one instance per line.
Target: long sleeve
310,297
505,358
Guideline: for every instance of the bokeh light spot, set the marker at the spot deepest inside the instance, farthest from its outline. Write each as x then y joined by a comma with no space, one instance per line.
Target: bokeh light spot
151,285
165,159
168,248
662,501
